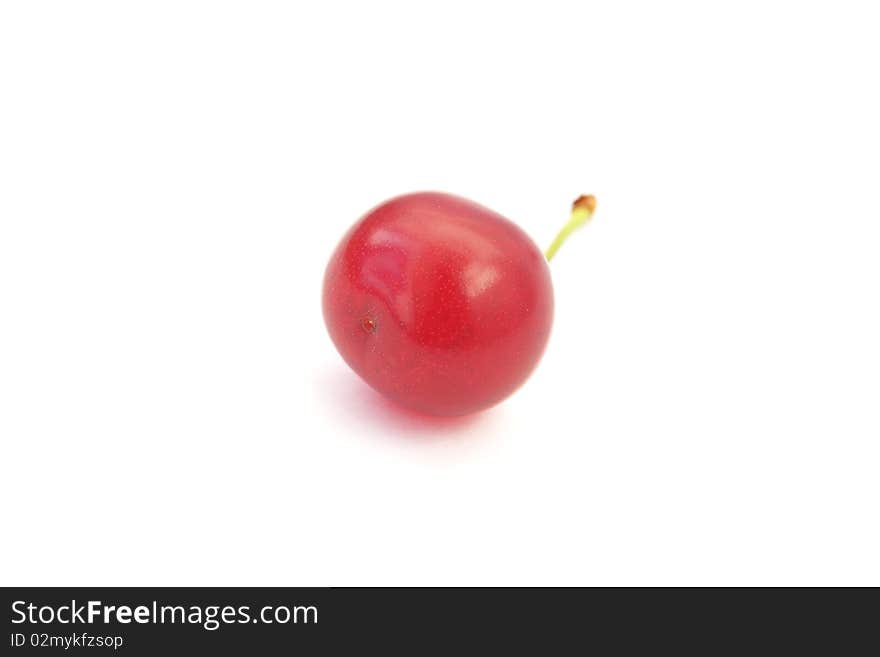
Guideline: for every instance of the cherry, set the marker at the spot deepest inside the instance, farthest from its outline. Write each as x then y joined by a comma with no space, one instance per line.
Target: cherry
442,304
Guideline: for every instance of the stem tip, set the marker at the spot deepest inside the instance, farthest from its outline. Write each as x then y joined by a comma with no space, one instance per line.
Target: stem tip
587,201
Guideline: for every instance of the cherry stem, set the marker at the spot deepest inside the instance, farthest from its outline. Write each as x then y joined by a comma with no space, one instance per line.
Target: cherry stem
581,212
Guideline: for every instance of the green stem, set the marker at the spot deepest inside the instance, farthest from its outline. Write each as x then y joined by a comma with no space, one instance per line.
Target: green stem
581,212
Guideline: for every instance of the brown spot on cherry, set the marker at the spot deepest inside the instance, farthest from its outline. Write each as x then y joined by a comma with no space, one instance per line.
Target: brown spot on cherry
368,324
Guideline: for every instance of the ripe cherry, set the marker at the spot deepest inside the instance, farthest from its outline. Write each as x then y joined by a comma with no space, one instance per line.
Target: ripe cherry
440,303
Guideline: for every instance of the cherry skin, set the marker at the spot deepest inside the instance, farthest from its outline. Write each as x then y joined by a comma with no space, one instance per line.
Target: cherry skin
439,303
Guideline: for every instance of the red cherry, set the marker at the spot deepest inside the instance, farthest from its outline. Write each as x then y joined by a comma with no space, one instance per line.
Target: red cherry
439,303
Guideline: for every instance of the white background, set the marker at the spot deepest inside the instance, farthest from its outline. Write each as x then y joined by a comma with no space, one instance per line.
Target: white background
174,176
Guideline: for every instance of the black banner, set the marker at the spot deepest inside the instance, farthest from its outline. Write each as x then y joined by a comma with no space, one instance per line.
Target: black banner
266,621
